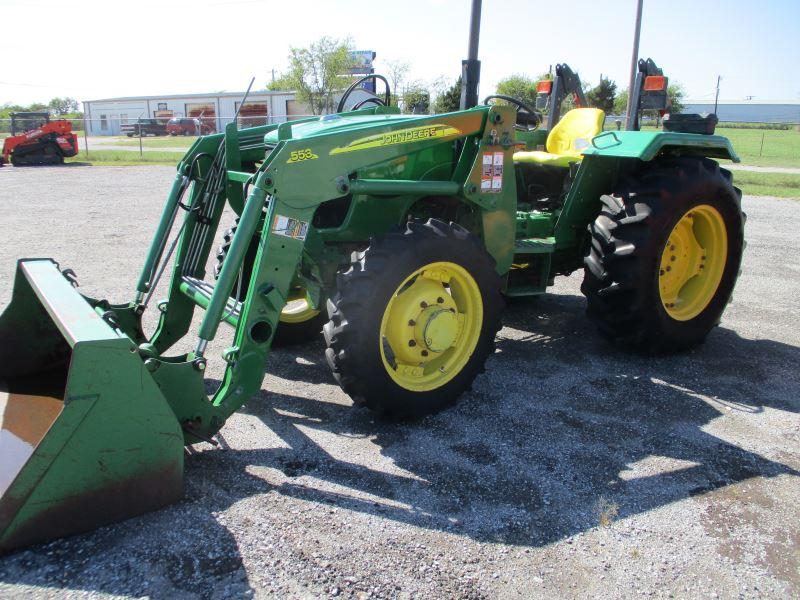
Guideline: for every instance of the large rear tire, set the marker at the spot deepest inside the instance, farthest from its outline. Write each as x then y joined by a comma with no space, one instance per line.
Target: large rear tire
665,253
414,319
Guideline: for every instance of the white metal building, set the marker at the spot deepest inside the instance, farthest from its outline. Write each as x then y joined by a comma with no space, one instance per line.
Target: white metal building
749,111
105,116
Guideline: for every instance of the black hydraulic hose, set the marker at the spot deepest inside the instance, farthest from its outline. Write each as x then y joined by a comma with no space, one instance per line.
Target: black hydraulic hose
387,95
365,101
533,112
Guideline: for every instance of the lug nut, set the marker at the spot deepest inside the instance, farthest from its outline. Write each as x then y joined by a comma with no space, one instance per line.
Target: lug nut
424,353
412,343
440,300
669,268
661,272
423,304
672,247
412,322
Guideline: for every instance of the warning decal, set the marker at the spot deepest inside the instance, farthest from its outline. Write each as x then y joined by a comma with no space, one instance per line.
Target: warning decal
486,173
492,172
291,228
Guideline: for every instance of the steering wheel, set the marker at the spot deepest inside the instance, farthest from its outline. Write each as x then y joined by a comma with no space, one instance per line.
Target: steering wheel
387,97
528,119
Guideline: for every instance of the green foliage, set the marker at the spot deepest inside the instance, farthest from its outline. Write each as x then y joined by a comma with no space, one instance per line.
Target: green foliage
520,87
676,95
603,96
621,102
449,100
675,92
62,106
316,73
396,71
416,99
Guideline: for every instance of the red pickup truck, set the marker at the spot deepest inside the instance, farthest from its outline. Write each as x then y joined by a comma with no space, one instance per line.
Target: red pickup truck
188,126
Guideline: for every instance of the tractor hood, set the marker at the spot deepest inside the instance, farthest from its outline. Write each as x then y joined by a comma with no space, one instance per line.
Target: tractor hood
336,123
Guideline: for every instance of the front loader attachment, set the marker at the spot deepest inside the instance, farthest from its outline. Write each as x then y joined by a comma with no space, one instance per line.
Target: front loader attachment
87,437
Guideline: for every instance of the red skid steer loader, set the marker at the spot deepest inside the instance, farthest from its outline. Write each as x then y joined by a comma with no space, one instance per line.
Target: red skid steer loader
36,140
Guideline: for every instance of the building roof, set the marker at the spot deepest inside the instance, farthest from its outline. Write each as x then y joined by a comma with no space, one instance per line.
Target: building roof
743,102
188,95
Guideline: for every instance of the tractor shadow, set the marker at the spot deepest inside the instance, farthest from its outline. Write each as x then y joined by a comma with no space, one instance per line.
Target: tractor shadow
563,432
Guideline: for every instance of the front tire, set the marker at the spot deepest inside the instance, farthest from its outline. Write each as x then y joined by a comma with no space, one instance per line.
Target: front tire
665,253
414,319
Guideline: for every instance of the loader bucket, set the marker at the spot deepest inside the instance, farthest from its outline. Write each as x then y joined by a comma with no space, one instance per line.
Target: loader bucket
87,437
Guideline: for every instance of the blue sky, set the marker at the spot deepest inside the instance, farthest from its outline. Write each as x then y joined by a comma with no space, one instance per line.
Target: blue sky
94,49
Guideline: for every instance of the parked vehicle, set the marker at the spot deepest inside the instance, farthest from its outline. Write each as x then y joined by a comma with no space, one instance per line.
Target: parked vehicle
36,140
144,127
188,126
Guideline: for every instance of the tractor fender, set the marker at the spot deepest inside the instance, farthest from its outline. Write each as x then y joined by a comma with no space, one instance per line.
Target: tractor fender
646,145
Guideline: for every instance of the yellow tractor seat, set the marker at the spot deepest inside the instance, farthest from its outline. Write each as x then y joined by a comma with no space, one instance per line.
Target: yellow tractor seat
567,140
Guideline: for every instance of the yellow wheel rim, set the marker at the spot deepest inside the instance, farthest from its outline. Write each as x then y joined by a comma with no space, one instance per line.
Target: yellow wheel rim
692,262
431,326
298,308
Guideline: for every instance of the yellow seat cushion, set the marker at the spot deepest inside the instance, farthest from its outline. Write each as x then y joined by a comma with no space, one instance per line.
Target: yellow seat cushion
567,140
545,158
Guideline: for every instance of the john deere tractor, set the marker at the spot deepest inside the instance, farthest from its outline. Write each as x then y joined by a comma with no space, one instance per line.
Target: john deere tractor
398,235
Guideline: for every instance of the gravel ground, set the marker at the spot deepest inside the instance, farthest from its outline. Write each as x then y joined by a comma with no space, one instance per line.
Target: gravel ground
571,469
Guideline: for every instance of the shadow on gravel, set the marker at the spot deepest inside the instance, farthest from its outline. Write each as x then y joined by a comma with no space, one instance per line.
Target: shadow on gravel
563,433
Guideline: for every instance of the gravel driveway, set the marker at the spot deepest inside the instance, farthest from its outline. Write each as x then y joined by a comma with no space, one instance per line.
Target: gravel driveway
570,469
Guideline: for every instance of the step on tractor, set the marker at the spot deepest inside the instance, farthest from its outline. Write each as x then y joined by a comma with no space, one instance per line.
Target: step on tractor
397,235
36,140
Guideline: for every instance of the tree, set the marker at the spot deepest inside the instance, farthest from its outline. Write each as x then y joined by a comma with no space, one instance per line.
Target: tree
603,95
521,87
397,71
416,99
621,102
317,72
676,95
63,106
450,99
675,92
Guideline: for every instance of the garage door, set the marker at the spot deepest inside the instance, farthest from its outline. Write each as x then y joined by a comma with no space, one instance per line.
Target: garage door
252,114
206,112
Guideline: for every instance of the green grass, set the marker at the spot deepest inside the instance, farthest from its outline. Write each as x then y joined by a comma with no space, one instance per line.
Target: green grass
178,141
768,184
124,158
780,149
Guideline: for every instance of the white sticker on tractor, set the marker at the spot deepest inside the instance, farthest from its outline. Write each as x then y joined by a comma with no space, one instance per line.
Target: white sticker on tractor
291,228
497,172
486,172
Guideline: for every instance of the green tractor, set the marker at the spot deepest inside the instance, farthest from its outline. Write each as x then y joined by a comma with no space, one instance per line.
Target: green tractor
398,235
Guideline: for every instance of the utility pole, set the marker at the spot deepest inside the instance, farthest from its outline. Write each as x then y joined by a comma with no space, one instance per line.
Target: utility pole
471,68
634,55
716,98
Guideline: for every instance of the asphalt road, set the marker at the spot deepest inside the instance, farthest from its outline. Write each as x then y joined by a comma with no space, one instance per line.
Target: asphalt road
571,469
